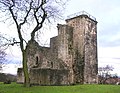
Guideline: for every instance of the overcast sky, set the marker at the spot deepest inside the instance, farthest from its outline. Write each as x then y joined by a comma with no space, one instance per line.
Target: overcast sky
107,14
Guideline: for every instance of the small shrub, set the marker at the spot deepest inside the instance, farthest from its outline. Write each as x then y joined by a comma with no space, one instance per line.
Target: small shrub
7,82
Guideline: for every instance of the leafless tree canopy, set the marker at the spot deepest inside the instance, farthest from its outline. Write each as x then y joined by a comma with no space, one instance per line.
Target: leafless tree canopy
2,58
28,12
104,73
2,54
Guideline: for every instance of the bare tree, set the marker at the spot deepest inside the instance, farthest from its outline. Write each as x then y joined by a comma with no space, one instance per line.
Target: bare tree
2,54
104,73
29,14
2,58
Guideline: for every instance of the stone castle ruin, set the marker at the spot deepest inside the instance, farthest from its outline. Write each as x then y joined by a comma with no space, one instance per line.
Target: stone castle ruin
71,57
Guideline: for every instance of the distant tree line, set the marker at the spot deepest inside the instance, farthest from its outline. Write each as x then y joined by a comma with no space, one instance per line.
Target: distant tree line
7,77
105,76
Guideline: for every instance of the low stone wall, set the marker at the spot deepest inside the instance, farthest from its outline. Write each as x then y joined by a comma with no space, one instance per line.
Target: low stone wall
20,75
49,76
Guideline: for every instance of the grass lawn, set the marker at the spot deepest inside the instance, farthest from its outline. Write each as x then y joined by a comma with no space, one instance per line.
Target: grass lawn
18,88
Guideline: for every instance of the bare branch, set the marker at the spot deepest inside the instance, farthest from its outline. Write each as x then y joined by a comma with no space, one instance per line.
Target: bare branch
13,16
25,18
43,17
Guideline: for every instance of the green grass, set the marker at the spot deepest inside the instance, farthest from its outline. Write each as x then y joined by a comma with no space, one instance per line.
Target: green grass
18,88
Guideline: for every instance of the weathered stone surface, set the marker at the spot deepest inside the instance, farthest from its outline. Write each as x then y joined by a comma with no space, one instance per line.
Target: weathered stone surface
71,57
49,76
20,75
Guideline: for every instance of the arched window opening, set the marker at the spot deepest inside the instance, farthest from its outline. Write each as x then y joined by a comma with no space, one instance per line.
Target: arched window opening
51,64
37,60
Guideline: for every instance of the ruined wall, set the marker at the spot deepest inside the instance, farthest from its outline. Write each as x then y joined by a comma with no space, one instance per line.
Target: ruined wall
45,68
40,76
38,56
54,52
65,48
44,57
65,45
49,76
20,75
63,35
78,32
54,46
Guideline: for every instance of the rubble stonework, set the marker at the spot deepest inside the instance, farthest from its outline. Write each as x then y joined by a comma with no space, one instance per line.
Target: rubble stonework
71,57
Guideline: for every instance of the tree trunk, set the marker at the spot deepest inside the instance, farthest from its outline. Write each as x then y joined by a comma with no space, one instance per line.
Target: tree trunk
25,70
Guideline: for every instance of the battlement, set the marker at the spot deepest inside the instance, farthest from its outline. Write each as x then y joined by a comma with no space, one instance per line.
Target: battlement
80,14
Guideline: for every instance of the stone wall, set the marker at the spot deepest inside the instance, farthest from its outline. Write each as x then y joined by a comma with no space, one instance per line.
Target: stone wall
65,46
54,52
38,56
91,61
49,76
78,47
85,48
78,32
20,75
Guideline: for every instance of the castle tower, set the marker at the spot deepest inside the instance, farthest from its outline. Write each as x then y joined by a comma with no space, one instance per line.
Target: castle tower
84,46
